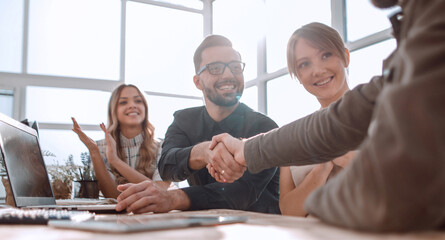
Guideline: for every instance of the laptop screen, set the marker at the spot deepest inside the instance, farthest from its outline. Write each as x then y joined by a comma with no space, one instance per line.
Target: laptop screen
24,164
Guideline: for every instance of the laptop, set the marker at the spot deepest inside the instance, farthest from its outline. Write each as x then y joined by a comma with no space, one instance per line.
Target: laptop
146,222
26,170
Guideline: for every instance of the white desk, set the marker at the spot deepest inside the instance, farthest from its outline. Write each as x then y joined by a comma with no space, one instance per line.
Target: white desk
259,226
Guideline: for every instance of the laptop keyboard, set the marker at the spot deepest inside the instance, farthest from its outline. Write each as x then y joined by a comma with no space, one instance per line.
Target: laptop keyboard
11,215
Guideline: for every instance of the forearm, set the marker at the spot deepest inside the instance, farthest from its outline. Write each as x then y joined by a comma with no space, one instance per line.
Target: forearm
319,137
129,173
106,183
292,202
198,158
180,200
173,165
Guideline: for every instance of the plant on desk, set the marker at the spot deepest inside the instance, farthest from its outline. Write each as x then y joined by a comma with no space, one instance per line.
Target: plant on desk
65,176
62,176
87,186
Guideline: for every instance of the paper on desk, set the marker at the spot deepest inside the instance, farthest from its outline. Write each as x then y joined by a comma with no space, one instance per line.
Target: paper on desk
86,201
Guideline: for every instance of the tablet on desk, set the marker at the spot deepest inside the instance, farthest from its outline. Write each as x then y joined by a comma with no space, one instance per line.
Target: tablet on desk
137,223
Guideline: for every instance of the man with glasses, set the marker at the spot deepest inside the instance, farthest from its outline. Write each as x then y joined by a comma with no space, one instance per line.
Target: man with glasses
186,152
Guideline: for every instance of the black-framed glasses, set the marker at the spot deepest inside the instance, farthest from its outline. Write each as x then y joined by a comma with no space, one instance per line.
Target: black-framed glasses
217,68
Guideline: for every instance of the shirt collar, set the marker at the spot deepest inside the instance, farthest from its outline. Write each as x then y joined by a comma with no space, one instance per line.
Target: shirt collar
125,142
232,123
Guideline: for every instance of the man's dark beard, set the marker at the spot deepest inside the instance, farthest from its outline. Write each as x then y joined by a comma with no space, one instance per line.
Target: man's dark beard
384,3
217,100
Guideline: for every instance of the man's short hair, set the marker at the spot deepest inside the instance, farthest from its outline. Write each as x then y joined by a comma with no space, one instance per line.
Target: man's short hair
209,41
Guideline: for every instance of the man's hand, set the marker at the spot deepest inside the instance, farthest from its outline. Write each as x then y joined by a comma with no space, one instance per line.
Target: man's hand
147,196
236,164
220,158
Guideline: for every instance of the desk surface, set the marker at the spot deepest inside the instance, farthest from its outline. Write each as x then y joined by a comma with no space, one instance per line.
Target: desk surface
259,226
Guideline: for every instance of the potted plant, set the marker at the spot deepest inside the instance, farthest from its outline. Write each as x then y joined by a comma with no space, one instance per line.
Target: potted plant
86,186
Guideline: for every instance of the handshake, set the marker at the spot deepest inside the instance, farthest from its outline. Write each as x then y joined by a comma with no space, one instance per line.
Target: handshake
225,161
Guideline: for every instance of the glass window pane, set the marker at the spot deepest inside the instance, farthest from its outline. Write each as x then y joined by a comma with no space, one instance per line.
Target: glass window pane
242,22
77,38
62,143
7,102
58,105
161,111
364,19
250,97
11,28
367,62
159,48
283,18
287,100
197,4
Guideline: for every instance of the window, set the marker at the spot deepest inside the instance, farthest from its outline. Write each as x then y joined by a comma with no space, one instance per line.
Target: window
358,18
250,97
62,143
11,23
197,4
75,38
58,105
242,22
159,48
161,109
287,100
367,62
6,102
283,18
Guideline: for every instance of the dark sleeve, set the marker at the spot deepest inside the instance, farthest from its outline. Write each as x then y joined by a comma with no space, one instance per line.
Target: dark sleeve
397,181
239,195
173,164
242,193
319,137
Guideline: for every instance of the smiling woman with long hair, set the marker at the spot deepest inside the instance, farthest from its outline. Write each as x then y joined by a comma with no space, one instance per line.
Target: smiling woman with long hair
129,152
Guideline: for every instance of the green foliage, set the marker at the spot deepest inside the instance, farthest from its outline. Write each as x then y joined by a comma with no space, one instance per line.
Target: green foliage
68,171
86,172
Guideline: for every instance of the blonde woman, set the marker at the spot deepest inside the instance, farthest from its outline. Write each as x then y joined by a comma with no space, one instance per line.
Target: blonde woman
129,152
317,57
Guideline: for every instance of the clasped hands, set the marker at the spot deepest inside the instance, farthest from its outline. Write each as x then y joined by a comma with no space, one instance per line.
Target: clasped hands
226,161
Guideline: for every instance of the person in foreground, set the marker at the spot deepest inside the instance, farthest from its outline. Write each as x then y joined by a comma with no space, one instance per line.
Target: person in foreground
186,153
129,152
317,57
396,181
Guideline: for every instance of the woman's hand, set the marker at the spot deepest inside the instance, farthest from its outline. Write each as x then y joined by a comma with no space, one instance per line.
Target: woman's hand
89,143
111,146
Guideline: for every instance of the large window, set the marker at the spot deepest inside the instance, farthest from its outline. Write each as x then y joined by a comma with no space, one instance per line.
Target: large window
367,62
81,38
61,59
283,18
287,100
11,22
242,22
160,45
359,15
58,105
6,102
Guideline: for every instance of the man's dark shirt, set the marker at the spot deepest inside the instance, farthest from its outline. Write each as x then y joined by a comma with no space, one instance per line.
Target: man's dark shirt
252,192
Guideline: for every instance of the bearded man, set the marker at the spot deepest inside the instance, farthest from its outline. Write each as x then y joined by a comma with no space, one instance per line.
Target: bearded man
186,152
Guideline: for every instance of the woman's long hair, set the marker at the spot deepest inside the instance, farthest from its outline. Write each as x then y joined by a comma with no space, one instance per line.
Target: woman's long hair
149,147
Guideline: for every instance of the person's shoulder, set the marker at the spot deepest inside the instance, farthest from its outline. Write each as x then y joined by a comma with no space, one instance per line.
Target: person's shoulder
187,112
254,116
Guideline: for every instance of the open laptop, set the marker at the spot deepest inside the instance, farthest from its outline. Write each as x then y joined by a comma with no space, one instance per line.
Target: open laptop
28,178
